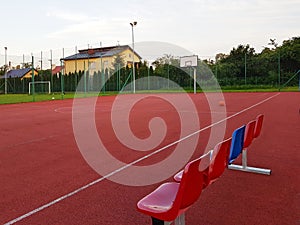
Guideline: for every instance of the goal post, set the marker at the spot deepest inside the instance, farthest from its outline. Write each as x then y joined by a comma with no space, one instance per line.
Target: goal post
45,84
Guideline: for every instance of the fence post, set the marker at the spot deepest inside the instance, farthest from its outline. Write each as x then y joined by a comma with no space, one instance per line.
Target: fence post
32,78
62,80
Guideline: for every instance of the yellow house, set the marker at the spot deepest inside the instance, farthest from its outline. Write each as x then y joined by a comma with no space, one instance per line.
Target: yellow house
21,73
99,59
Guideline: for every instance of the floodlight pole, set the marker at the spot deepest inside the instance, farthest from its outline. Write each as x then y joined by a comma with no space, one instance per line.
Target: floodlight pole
41,60
133,68
5,72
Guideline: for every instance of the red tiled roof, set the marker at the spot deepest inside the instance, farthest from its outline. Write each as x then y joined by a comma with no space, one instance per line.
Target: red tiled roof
57,69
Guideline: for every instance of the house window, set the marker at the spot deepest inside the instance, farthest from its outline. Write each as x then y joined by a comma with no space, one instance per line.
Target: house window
92,65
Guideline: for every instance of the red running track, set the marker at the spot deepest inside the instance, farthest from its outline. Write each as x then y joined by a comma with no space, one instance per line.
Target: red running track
40,162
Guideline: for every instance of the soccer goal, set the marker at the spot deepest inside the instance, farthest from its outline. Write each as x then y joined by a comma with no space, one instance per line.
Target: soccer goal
39,87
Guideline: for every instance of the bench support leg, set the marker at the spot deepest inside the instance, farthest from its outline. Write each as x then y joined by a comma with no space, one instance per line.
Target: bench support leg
244,167
180,220
159,222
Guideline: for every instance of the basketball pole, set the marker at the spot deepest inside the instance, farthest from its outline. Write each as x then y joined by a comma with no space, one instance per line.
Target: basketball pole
190,62
195,85
5,71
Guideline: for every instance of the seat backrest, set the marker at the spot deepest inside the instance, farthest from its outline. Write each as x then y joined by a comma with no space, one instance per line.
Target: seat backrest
249,133
219,160
192,181
237,143
259,122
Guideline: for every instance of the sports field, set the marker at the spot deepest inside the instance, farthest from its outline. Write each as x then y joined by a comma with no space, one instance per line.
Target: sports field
46,180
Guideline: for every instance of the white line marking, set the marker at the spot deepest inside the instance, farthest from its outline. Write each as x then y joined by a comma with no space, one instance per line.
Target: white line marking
132,163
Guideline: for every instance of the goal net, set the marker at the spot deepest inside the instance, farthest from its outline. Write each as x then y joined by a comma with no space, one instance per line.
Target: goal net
39,87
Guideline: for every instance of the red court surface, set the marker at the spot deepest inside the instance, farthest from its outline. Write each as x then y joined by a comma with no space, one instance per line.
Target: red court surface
40,163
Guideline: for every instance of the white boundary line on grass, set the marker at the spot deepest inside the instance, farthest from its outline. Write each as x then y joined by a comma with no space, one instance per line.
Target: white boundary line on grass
132,163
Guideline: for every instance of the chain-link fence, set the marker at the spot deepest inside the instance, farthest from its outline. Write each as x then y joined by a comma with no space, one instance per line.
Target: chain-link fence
241,72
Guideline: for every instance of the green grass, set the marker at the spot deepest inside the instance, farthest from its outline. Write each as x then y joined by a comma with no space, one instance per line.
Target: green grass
22,98
290,89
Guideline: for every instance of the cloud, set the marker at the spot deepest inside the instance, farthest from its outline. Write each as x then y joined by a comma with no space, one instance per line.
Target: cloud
69,16
196,24
107,30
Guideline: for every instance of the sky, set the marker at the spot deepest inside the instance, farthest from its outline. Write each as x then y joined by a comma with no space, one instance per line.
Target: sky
203,27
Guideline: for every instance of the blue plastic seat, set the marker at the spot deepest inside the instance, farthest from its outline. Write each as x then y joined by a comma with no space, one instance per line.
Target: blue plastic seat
237,143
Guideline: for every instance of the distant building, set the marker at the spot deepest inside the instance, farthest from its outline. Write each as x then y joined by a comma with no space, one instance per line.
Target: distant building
20,73
56,70
97,59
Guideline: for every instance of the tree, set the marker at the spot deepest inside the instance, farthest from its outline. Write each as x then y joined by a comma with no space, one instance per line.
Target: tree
162,65
290,55
118,63
27,65
236,60
3,69
273,43
220,56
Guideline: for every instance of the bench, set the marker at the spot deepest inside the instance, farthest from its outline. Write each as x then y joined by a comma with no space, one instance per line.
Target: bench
169,202
253,130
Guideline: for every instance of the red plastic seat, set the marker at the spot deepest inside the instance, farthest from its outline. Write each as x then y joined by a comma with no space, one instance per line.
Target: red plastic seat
172,199
219,160
177,177
218,164
249,133
258,126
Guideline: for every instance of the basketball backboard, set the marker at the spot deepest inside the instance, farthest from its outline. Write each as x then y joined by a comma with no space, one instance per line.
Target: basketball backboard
189,61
